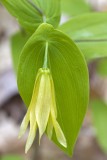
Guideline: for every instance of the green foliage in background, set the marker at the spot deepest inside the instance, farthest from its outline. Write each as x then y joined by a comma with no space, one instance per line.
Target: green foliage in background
31,13
12,157
89,31
99,116
75,7
101,67
17,42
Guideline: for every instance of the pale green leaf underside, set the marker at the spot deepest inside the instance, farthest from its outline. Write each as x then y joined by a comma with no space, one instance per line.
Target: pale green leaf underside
99,115
89,31
31,13
75,7
70,76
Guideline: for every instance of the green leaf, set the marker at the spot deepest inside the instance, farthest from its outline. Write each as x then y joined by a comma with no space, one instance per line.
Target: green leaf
93,50
101,67
86,27
90,33
31,13
99,115
70,76
11,157
75,7
17,43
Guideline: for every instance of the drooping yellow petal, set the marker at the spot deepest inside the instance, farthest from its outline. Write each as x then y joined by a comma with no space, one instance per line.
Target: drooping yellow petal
53,105
31,137
26,119
50,128
33,128
42,110
59,134
24,124
43,102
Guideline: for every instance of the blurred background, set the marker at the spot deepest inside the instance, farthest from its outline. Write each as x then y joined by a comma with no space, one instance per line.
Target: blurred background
92,140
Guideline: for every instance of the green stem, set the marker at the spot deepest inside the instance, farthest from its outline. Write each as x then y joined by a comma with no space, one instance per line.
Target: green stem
45,65
44,18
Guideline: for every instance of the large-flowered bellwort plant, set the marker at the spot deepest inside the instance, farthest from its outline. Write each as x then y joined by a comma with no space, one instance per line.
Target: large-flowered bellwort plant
52,73
42,112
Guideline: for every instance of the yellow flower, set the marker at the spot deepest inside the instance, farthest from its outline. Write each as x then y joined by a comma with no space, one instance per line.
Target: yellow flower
42,111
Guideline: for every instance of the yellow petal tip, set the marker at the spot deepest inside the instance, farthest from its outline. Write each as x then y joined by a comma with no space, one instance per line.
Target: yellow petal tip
26,150
64,144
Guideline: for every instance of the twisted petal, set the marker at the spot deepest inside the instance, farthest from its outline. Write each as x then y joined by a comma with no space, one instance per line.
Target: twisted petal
43,103
59,134
33,128
24,124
